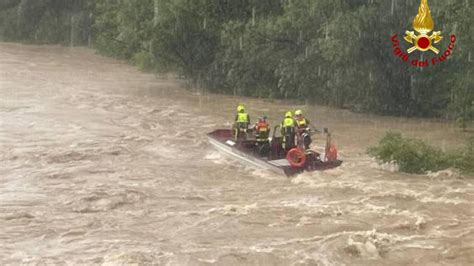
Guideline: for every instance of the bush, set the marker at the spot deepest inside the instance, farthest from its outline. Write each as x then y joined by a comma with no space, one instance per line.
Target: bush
412,156
143,60
465,159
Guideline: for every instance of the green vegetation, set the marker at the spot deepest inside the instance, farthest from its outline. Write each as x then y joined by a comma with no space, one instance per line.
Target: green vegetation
414,156
46,21
332,52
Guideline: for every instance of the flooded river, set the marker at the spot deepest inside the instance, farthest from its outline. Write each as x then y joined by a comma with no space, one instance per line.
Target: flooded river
103,164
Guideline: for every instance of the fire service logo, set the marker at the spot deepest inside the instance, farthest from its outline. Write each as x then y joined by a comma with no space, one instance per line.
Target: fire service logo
422,40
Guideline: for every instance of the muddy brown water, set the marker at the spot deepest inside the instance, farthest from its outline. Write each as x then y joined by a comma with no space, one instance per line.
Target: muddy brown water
102,164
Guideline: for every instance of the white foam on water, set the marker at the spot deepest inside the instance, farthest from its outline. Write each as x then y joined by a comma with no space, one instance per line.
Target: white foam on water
302,203
267,174
445,174
444,200
217,158
391,167
236,209
365,249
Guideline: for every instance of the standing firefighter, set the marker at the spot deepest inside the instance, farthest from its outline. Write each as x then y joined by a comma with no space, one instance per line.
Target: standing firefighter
288,131
302,130
242,122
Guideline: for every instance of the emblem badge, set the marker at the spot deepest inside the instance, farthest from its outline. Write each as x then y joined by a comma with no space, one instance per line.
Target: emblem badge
423,24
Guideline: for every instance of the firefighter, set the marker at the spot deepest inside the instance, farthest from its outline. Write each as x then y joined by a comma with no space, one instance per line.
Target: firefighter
288,131
302,130
242,122
262,130
262,134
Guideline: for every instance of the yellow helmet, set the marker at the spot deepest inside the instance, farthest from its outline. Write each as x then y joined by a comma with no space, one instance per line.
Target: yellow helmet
289,114
298,112
240,108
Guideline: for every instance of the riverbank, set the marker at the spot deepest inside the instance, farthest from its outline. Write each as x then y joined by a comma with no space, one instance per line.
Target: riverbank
324,52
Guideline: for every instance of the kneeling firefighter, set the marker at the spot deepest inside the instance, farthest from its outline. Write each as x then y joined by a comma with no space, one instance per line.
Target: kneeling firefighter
262,134
262,129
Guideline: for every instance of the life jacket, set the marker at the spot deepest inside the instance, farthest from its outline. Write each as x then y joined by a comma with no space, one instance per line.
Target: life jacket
288,126
242,118
302,123
262,130
288,122
262,126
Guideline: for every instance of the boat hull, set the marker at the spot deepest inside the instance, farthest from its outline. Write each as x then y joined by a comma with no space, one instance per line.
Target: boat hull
247,152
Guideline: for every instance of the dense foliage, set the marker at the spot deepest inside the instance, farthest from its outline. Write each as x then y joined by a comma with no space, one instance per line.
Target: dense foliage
414,156
334,52
46,21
